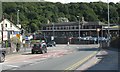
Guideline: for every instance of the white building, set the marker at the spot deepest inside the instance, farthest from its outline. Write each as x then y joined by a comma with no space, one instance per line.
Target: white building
9,30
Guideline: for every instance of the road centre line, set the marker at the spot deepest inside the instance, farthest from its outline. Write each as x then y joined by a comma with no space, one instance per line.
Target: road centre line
77,64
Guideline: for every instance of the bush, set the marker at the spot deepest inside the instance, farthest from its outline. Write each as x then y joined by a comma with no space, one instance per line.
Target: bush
115,42
34,41
15,40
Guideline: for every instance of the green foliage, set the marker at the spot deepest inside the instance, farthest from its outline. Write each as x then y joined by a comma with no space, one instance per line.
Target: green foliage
115,42
33,14
15,40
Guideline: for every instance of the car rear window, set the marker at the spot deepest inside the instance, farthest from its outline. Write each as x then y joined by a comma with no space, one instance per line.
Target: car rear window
37,45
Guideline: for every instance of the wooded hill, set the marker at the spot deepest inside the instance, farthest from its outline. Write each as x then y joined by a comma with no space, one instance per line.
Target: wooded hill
32,14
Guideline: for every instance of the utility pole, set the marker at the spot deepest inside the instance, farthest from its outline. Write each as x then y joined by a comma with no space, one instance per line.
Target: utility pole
53,29
79,27
2,25
108,35
18,16
82,22
98,30
52,37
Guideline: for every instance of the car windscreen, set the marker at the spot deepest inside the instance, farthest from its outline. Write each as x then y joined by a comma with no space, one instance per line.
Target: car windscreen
37,45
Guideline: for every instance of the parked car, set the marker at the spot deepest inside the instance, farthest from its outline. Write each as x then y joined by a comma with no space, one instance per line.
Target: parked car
39,48
51,44
2,54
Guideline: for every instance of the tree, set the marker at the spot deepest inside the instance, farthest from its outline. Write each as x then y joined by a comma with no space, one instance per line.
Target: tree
34,14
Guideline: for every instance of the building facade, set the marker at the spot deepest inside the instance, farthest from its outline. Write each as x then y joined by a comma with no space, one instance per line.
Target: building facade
74,30
9,30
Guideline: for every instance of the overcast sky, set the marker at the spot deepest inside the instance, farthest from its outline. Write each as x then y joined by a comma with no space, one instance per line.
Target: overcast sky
68,1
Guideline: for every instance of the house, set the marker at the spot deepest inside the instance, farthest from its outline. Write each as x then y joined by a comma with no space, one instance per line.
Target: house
9,30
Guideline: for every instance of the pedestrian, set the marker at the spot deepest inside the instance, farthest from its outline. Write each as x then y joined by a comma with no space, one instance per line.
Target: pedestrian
68,43
17,47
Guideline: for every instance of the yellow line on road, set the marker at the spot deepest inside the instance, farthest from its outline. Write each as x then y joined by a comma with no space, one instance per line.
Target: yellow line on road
77,64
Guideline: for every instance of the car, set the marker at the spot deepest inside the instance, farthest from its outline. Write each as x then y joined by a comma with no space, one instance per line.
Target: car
51,44
39,48
2,54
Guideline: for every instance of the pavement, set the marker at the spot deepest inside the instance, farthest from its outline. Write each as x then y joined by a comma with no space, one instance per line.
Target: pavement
105,60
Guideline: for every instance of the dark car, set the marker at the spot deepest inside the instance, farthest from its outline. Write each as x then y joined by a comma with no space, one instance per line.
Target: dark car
2,54
39,48
51,44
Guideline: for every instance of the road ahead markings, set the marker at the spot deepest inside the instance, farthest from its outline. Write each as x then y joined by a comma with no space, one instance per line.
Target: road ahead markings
77,64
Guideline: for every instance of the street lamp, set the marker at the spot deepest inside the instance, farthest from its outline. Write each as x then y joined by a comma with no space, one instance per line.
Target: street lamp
98,30
52,38
108,44
79,26
18,16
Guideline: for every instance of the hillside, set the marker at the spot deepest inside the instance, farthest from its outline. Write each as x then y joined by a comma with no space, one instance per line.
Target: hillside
32,14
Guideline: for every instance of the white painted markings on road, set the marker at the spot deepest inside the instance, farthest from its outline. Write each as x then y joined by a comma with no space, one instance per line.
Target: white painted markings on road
13,66
28,61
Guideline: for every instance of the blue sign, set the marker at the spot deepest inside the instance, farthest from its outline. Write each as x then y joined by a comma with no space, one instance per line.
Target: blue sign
26,38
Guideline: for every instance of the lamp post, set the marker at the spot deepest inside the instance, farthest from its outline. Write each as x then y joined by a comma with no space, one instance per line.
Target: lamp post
53,29
18,16
52,38
98,30
2,25
79,27
108,44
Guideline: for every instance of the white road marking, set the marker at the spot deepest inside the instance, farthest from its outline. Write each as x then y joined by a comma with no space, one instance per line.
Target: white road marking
1,63
12,65
27,61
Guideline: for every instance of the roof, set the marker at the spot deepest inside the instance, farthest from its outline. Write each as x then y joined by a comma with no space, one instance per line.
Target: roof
76,23
12,24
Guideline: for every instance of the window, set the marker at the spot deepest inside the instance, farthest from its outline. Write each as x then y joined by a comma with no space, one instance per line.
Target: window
60,28
67,27
46,28
71,27
5,25
77,28
56,27
10,25
1,25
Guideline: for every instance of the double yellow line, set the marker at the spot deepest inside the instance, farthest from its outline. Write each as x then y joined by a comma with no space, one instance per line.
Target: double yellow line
77,64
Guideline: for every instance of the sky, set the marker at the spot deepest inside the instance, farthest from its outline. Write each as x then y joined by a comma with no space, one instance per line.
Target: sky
68,1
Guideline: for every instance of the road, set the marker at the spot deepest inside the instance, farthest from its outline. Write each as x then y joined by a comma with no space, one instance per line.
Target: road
61,57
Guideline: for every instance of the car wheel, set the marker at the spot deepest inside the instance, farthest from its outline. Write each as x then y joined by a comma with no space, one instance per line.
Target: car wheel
2,58
32,52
